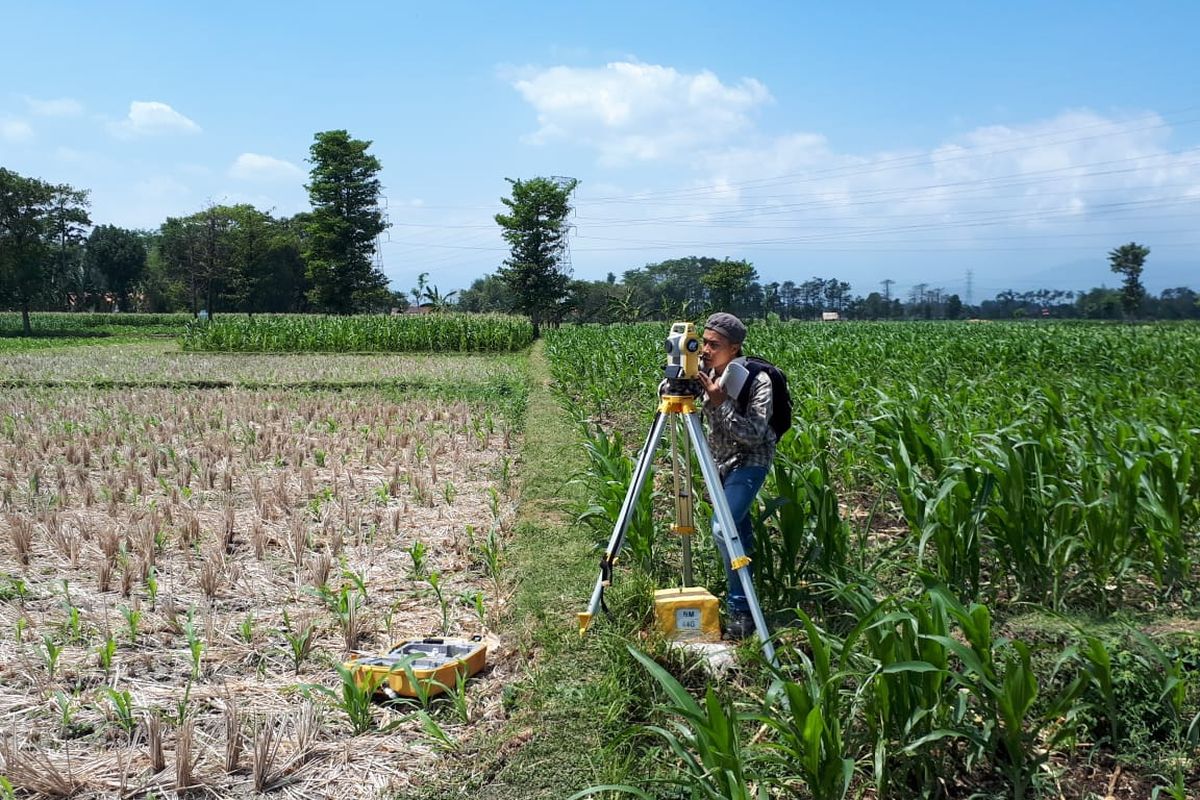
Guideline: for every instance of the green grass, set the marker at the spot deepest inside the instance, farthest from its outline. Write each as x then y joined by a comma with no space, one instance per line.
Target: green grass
21,344
568,714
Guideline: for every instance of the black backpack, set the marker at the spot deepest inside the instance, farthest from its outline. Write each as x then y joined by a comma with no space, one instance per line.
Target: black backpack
781,398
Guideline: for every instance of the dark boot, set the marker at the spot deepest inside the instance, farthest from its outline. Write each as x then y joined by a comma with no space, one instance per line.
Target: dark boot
739,625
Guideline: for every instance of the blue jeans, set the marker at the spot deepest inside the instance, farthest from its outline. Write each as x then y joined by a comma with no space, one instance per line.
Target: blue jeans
741,485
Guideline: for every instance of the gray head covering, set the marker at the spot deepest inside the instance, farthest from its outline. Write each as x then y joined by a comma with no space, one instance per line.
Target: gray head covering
728,326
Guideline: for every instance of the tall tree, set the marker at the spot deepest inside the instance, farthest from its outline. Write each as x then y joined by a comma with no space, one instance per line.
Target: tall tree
789,295
727,283
535,229
120,256
487,294
346,220
954,307
1129,260
70,280
180,248
24,225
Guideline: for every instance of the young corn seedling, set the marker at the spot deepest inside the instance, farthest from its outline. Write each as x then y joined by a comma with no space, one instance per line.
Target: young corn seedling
353,698
435,732
122,709
51,652
435,583
300,639
416,552
66,714
196,650
490,553
133,617
105,652
246,628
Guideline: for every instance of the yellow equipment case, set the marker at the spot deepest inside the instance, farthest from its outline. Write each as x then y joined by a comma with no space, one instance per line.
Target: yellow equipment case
435,662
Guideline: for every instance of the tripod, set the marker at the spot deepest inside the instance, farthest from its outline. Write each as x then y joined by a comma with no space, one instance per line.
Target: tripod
678,409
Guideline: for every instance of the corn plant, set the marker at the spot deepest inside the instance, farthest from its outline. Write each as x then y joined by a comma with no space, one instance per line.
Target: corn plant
806,718
705,739
105,652
66,713
800,527
133,618
1033,522
607,480
300,639
353,698
51,651
416,552
302,333
122,708
1169,488
1012,733
490,554
435,583
904,689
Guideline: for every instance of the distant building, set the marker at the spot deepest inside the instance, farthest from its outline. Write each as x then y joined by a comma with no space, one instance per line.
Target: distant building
830,316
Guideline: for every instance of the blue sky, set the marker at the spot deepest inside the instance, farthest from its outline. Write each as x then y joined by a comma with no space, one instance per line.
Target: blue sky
1020,141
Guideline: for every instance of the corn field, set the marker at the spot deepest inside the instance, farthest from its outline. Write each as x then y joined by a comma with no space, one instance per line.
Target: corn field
359,334
92,323
941,481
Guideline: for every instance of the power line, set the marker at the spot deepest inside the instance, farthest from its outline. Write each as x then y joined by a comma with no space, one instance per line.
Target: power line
895,162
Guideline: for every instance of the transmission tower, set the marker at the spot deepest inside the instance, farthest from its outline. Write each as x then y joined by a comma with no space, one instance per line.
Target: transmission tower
887,288
970,285
385,235
562,182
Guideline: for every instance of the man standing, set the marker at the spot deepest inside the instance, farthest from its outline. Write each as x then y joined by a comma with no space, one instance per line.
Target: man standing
742,444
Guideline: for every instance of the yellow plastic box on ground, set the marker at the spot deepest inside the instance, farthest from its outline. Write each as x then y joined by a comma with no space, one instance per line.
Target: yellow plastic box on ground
435,664
687,614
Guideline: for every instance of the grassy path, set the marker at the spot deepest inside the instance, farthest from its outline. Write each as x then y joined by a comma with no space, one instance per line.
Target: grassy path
569,706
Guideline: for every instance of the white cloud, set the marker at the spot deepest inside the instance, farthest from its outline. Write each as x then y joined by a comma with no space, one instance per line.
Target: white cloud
152,118
15,131
993,178
255,167
633,112
1004,199
60,107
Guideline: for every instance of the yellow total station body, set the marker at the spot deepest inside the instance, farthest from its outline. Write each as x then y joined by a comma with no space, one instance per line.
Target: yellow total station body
683,352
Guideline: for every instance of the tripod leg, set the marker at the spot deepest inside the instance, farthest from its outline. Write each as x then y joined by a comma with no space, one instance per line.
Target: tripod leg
640,471
737,554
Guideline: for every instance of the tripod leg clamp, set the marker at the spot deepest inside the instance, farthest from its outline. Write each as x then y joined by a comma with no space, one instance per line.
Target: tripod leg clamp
739,562
606,571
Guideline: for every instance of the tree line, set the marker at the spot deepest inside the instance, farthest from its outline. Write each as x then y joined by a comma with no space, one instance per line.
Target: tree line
535,280
688,287
222,258
238,258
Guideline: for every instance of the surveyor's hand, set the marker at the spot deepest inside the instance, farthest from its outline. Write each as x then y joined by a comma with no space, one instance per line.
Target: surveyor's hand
716,393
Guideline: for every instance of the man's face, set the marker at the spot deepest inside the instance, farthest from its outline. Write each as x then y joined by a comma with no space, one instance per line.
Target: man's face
716,350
